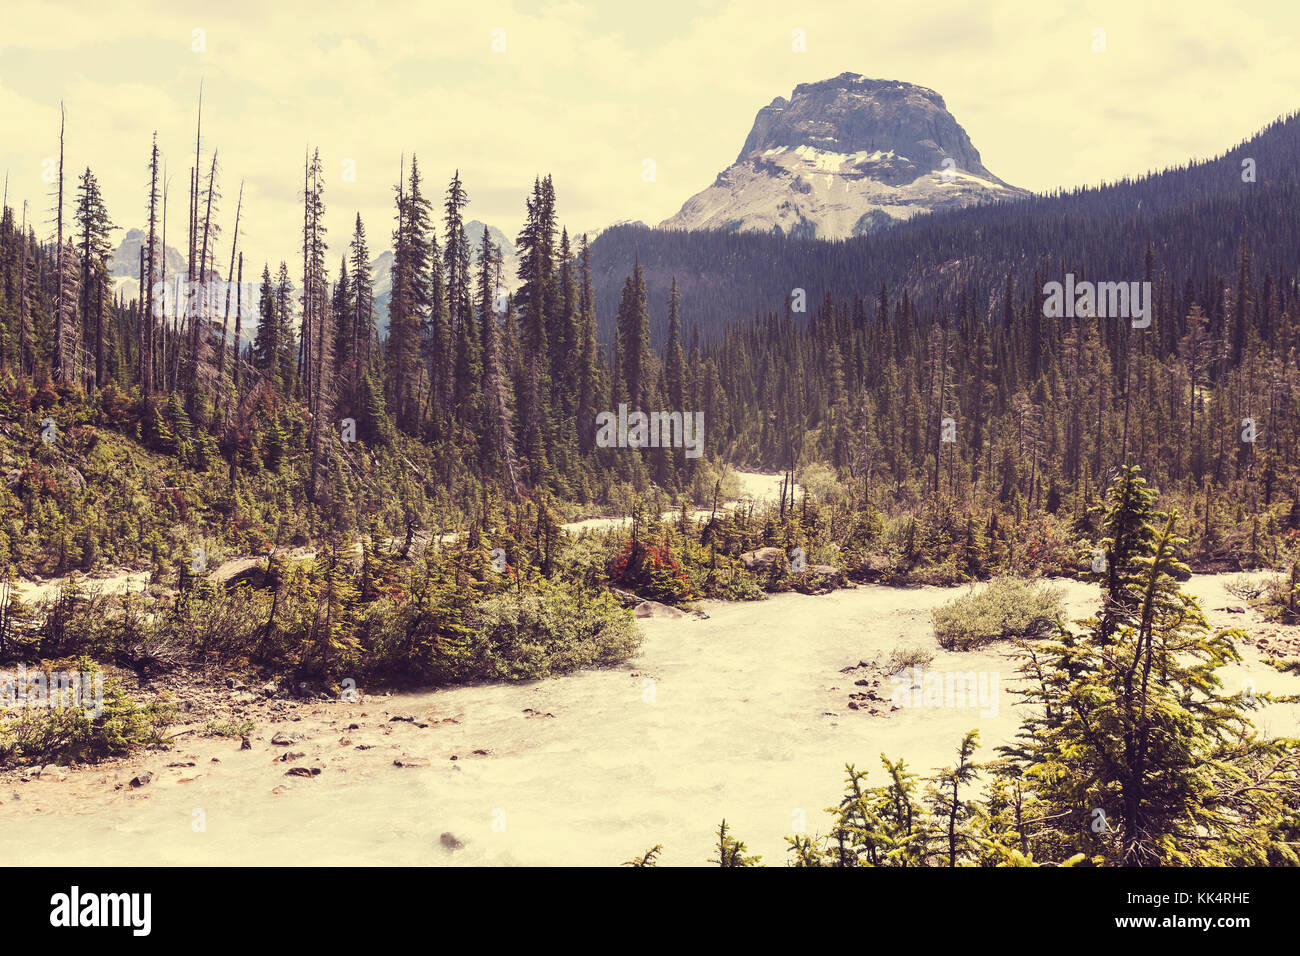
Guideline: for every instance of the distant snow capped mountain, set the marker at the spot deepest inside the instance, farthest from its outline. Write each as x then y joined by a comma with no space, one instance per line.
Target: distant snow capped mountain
124,263
381,267
593,233
509,257
381,273
474,232
845,157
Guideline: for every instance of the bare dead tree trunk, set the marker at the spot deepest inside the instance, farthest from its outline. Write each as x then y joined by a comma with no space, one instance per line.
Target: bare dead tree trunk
194,220
943,386
99,328
61,357
198,322
323,398
186,315
239,317
1128,397
159,354
230,273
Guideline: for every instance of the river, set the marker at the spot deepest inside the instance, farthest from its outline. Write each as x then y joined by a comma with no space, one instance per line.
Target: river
742,715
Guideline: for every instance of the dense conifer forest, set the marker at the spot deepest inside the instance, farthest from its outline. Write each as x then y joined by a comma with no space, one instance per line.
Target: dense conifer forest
855,372
941,419
1190,219
319,494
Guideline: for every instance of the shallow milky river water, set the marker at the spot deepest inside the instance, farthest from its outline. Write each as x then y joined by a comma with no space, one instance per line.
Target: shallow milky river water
744,716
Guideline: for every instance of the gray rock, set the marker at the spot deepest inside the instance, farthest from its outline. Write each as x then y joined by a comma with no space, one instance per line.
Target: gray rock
655,609
762,559
890,145
626,598
411,762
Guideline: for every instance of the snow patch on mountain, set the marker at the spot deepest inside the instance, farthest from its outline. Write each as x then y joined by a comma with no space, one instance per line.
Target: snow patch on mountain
845,157
124,263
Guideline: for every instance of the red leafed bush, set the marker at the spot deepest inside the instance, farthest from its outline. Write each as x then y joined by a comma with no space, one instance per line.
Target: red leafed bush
653,571
36,479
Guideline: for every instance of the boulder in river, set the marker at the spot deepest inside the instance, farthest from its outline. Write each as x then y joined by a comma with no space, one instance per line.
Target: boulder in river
655,609
626,598
762,559
874,567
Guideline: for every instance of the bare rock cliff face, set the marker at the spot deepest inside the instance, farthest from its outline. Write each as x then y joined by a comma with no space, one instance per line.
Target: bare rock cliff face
844,157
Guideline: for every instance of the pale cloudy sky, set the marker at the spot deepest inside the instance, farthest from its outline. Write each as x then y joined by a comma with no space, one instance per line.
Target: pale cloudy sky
587,91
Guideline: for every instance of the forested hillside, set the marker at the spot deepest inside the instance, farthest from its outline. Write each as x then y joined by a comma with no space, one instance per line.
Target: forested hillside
945,393
470,391
1191,218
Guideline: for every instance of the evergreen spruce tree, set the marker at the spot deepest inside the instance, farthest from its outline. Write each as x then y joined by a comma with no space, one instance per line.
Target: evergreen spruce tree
410,300
1133,754
95,225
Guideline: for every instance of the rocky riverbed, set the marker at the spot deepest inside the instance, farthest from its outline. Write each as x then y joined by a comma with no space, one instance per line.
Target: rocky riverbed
747,714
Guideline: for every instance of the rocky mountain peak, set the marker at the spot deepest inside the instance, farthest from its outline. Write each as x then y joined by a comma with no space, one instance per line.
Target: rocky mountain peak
852,113
845,156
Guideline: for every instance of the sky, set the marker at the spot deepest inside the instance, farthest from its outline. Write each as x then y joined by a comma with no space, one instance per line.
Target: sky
588,91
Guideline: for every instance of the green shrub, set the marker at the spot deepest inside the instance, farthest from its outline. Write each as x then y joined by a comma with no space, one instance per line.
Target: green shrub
74,733
1277,597
735,584
901,657
1006,608
229,728
821,482
705,483
555,630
